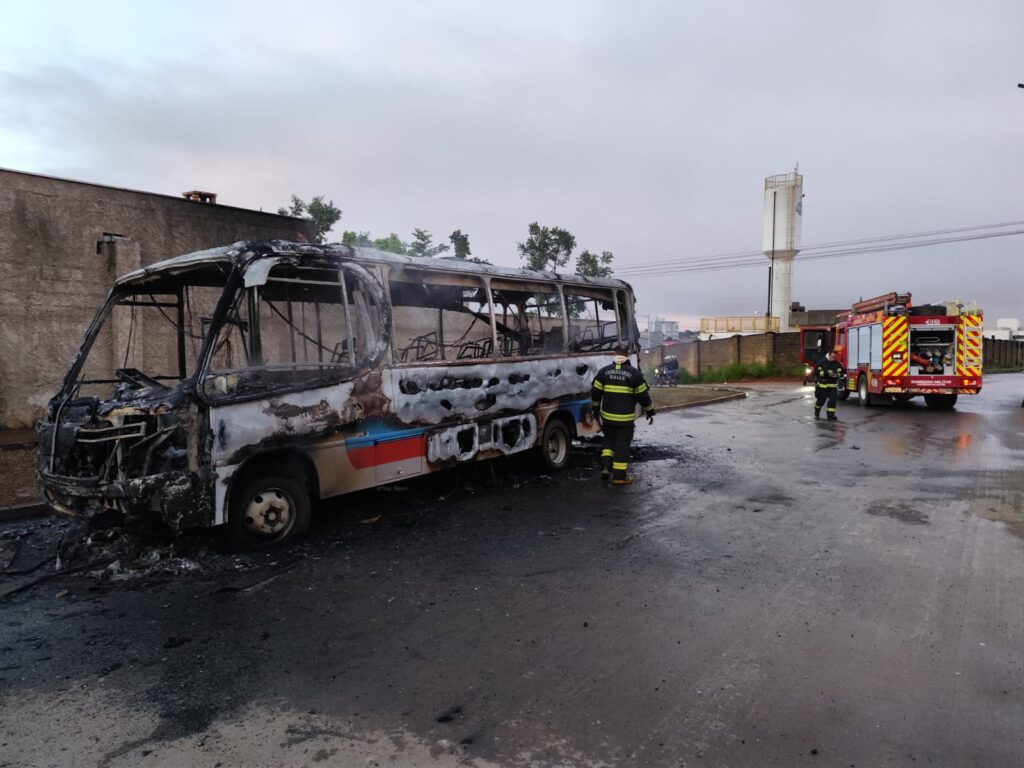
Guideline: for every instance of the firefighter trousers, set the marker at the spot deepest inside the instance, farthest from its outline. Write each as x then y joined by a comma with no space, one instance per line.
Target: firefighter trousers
615,449
829,392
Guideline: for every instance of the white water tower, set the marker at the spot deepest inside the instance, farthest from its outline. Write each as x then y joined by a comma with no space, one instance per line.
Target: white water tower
783,208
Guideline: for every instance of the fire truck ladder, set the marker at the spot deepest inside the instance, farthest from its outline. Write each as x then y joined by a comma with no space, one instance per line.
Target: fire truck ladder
885,303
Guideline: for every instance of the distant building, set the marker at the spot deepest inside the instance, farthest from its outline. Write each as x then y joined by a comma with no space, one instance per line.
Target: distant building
1006,328
806,317
63,242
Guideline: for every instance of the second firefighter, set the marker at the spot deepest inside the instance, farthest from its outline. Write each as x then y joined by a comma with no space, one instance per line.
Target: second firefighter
614,396
826,384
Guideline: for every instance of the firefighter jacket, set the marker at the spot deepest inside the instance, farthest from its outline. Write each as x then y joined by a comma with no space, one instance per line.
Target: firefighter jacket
828,373
617,389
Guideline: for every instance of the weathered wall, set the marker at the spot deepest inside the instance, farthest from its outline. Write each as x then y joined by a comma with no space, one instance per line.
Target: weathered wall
1001,353
784,348
55,270
699,357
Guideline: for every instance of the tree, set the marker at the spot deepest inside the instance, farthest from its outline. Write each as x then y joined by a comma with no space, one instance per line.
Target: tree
356,238
460,244
324,215
391,243
547,248
591,265
422,244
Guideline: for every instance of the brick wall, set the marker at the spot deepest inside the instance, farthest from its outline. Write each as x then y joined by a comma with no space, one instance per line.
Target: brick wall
55,272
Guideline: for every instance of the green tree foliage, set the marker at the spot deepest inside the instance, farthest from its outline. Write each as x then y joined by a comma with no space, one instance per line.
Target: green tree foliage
356,238
460,244
547,247
392,244
594,265
422,244
323,214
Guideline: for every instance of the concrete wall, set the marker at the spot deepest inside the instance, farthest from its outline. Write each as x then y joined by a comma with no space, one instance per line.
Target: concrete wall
1001,354
701,356
784,348
56,267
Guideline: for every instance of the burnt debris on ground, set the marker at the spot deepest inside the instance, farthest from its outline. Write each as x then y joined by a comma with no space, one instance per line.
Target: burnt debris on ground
144,552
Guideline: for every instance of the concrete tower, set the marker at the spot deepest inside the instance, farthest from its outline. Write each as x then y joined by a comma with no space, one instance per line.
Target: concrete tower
783,208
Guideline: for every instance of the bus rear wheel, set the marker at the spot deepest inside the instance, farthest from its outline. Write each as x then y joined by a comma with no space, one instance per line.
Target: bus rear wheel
266,511
555,445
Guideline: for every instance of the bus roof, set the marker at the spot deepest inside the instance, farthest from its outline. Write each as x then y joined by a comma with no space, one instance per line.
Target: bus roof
245,251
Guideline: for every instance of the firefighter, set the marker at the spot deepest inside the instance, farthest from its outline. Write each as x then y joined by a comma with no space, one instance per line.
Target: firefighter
826,384
616,390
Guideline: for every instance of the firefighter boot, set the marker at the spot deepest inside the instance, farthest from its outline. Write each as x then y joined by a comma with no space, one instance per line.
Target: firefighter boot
624,480
832,415
817,411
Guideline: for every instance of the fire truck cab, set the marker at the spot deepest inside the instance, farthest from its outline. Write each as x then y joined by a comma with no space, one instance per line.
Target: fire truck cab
893,349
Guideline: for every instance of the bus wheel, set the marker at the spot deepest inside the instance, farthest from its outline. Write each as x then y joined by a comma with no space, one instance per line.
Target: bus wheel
555,445
266,510
862,391
940,402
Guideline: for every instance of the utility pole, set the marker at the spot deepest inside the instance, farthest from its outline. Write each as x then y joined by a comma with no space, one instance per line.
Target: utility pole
771,269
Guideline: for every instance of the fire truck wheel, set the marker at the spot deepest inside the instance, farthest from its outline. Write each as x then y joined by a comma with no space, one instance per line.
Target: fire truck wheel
940,402
555,445
844,393
862,391
266,511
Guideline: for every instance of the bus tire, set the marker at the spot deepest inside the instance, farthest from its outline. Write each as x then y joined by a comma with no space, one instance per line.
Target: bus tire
940,402
862,391
555,445
266,511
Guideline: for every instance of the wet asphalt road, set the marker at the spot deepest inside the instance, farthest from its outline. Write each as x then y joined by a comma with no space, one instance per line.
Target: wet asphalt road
772,591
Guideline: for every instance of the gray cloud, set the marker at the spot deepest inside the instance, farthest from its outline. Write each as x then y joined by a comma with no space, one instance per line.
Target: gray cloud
644,130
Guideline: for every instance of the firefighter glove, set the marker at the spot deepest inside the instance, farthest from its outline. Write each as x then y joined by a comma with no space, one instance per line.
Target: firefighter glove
650,416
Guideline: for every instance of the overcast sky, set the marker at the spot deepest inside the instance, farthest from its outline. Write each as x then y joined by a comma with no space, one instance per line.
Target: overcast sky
645,128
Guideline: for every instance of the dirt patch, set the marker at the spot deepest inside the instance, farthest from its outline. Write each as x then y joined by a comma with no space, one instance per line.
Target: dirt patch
669,397
900,511
18,470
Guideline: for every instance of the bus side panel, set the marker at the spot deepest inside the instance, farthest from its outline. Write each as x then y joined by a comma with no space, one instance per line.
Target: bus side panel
429,395
400,422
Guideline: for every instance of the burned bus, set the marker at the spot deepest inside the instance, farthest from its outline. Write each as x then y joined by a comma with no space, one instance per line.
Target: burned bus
230,387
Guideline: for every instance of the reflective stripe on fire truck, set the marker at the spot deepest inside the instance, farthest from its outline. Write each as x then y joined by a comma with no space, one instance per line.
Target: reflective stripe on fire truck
895,336
968,347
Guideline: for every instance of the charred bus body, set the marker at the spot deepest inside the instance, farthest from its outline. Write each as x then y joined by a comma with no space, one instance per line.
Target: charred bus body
229,387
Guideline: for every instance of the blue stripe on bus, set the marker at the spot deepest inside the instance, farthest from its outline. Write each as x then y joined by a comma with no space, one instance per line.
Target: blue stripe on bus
377,429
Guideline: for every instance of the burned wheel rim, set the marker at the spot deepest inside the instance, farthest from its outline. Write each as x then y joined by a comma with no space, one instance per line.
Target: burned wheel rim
269,514
555,445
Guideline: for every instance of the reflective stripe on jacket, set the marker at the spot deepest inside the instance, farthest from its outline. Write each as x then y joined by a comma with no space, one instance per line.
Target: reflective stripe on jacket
617,389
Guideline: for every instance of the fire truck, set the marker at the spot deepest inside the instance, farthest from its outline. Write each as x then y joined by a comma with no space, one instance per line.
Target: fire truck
891,348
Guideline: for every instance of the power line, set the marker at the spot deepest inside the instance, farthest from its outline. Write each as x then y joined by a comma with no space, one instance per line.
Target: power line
752,258
756,258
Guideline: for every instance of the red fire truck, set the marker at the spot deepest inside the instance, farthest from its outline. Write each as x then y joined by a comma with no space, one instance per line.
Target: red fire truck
891,348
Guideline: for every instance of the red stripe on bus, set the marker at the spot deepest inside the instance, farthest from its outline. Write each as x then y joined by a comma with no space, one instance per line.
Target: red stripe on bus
386,452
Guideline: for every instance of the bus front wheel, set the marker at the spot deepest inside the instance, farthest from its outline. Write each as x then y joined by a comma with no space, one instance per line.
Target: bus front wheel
555,445
266,510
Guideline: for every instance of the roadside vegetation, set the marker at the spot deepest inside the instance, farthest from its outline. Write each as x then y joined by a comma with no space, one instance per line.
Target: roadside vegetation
737,372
